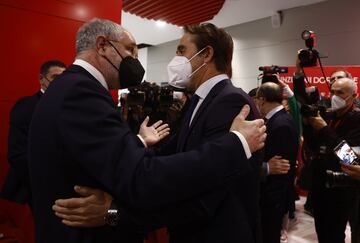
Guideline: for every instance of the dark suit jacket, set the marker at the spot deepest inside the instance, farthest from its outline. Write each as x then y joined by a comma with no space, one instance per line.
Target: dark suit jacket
17,184
283,140
77,137
223,214
231,211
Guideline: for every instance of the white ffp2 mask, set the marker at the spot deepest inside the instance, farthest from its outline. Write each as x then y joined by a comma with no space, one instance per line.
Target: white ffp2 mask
180,70
337,103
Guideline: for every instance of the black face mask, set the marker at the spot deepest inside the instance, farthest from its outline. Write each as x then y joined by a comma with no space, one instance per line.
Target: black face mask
131,72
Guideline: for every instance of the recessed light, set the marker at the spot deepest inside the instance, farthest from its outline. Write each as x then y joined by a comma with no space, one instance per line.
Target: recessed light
160,23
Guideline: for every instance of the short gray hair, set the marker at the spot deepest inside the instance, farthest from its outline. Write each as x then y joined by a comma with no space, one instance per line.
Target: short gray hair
86,35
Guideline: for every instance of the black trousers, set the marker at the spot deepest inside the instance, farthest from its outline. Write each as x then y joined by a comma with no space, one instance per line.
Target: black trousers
271,223
332,210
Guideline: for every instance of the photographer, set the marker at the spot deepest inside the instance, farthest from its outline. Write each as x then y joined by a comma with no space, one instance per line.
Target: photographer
332,206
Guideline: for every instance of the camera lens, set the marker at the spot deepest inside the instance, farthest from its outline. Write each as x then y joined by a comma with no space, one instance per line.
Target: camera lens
305,35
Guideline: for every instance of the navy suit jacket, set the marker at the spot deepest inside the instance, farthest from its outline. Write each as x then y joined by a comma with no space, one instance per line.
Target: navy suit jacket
77,137
17,184
283,140
228,213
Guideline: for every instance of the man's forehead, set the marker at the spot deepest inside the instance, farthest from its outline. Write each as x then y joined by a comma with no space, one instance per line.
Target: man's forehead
186,41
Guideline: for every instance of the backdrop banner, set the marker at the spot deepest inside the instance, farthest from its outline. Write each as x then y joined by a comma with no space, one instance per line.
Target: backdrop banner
316,78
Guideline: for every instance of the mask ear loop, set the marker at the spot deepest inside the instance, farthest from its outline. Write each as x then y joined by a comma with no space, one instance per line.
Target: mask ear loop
115,49
197,53
200,66
107,59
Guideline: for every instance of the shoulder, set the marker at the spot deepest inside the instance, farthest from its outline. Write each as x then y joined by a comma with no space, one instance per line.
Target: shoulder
282,120
24,106
232,93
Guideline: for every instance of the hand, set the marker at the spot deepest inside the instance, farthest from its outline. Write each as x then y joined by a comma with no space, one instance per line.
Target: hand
86,211
278,166
154,133
317,122
281,83
253,131
351,170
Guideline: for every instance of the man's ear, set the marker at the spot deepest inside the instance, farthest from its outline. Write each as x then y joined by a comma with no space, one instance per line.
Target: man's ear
100,44
208,54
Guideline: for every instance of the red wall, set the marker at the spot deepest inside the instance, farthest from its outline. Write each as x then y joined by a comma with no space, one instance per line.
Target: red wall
31,33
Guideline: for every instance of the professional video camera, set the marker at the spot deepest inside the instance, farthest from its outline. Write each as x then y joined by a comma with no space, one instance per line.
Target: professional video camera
269,72
311,101
340,179
308,57
151,95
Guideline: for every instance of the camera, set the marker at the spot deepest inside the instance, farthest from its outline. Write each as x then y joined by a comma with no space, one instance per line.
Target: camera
269,72
340,179
308,57
148,94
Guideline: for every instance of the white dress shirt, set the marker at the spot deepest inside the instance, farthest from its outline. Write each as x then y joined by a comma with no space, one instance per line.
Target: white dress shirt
93,71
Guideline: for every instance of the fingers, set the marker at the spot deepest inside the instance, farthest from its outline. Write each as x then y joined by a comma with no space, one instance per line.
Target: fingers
244,112
85,191
62,211
145,122
70,203
158,123
164,133
162,127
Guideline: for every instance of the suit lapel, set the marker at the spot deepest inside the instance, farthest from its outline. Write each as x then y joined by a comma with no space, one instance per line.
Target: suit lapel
184,132
209,98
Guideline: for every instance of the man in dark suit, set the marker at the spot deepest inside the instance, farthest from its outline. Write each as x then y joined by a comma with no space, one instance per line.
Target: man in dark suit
281,143
77,137
17,185
224,214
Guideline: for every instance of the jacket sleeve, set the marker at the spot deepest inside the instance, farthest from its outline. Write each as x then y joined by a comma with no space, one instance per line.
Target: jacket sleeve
202,207
96,138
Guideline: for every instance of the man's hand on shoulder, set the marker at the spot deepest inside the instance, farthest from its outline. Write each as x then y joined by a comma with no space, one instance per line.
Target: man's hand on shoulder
253,131
89,210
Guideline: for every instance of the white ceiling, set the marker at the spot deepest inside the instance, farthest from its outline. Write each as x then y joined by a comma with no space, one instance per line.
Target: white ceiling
233,12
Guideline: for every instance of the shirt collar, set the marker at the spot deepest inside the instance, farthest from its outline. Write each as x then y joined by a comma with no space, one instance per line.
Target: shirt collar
205,87
93,71
274,111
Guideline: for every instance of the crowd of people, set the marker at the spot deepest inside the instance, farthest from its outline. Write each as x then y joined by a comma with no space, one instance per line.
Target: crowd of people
223,171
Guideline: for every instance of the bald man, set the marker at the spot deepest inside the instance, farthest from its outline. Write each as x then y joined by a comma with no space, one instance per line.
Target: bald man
333,206
281,144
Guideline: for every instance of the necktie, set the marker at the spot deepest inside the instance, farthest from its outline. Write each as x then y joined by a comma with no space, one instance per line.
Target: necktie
186,123
193,102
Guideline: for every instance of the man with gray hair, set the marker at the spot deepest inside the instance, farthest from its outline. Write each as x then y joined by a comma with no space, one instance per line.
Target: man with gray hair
334,206
77,137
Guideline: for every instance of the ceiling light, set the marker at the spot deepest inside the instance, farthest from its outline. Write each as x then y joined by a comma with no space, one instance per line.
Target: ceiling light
160,23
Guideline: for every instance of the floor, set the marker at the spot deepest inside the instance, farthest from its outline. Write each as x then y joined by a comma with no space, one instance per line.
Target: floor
303,229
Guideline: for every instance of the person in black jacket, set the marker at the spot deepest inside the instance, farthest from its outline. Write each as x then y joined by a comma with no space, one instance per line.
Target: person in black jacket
334,206
16,186
282,143
84,141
